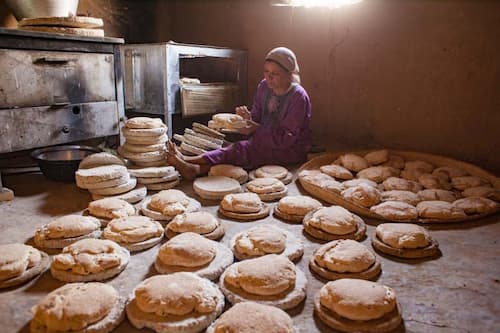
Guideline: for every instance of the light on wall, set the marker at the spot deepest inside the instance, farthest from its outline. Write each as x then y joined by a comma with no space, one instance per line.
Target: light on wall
315,3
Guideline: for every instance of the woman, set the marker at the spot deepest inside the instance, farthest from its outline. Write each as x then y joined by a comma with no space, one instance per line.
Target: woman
278,123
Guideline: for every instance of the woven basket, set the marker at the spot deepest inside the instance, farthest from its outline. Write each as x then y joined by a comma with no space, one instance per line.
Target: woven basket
436,160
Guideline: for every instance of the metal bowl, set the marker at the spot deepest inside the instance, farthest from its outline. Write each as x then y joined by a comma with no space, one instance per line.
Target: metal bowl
59,163
42,8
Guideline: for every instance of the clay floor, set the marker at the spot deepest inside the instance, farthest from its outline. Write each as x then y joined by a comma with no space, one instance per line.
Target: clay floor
456,292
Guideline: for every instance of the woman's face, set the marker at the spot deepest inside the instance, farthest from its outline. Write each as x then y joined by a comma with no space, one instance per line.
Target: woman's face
277,78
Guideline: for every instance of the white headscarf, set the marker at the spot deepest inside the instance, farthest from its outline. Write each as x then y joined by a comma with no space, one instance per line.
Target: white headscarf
287,59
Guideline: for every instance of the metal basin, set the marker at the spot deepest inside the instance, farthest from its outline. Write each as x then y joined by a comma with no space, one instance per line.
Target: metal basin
59,163
42,8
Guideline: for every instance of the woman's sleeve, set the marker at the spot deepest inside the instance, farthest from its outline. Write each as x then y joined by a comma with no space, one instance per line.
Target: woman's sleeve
285,135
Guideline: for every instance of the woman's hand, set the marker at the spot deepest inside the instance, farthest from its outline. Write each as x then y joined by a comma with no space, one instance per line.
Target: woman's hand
249,129
243,112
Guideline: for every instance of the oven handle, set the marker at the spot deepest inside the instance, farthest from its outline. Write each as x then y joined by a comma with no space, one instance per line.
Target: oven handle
54,60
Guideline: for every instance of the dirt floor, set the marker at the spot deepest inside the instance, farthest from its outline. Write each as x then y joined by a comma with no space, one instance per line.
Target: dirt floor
457,292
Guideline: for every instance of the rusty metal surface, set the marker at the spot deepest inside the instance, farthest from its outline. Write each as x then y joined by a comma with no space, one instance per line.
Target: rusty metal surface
457,292
33,78
46,126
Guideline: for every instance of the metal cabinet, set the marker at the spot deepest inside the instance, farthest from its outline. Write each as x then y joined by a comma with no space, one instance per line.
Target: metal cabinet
57,89
152,74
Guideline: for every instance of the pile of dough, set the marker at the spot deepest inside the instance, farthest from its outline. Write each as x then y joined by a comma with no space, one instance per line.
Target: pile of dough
109,208
447,172
105,180
378,174
404,240
166,204
271,280
272,171
377,157
295,208
245,206
145,140
227,121
231,171
79,307
190,252
353,162
202,223
395,210
66,230
336,171
345,258
439,211
414,169
268,189
477,205
354,305
251,317
323,181
215,187
334,222
431,181
400,184
89,260
437,194
157,178
266,239
465,182
20,263
136,233
403,196
362,194
482,191
178,302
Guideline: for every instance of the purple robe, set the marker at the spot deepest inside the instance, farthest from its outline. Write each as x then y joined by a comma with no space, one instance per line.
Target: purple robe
283,136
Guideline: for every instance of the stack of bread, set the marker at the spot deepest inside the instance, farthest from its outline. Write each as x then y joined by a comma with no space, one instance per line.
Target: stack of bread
404,240
108,209
167,204
396,189
245,206
332,223
266,239
178,302
72,25
104,175
272,171
202,223
345,258
135,233
156,178
199,139
215,187
190,252
89,259
270,280
67,230
227,122
251,317
20,263
354,305
268,189
79,307
294,208
145,140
